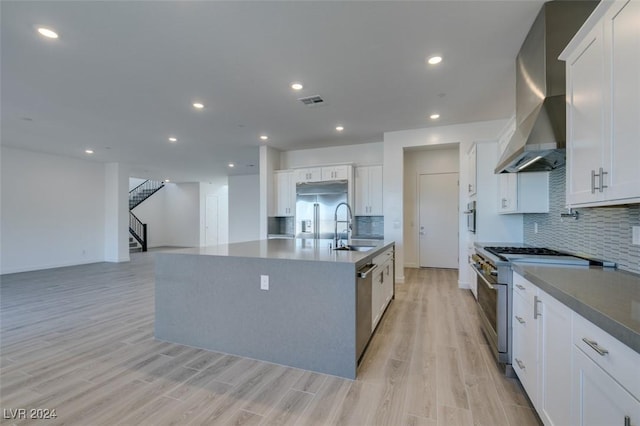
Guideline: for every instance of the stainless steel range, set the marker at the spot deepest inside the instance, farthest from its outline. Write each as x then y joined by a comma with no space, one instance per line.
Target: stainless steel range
492,265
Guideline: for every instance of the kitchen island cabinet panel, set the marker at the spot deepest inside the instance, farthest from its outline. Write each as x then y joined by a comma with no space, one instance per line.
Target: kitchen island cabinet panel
306,317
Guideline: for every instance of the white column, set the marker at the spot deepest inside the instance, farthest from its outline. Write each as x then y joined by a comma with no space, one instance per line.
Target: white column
116,213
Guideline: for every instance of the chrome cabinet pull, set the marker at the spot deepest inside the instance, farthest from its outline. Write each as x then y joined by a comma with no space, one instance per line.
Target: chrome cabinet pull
520,320
594,345
536,313
593,181
602,185
520,364
504,203
520,287
627,421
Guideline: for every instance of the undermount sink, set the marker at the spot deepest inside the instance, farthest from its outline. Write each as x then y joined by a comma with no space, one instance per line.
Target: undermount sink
354,248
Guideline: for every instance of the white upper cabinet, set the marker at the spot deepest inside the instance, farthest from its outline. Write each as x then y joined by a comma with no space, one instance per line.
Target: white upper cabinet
472,162
309,175
285,193
322,174
523,192
603,107
335,172
368,189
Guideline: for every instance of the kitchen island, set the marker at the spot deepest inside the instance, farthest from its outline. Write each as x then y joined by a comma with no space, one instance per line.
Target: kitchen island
291,302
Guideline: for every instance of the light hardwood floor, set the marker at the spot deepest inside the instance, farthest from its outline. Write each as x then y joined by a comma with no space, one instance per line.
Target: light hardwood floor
80,340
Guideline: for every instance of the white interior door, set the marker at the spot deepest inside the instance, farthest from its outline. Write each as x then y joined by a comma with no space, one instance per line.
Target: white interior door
211,220
438,224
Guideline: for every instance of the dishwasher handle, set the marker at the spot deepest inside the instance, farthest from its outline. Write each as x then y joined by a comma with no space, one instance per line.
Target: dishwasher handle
363,273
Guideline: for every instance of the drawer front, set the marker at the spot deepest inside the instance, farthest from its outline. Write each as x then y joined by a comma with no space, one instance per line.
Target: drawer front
382,258
613,356
524,345
524,288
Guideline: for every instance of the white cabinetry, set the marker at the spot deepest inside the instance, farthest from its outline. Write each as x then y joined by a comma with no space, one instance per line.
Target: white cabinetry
285,193
606,378
368,182
603,107
472,162
335,173
383,285
525,335
309,175
542,350
523,192
322,174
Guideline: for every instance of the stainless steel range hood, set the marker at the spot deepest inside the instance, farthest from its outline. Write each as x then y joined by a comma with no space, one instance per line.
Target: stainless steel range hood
538,143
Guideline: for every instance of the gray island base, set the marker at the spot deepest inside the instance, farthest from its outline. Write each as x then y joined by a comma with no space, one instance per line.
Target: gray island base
211,298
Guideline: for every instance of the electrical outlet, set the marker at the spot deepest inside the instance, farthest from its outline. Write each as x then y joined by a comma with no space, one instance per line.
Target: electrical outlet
264,282
535,227
635,238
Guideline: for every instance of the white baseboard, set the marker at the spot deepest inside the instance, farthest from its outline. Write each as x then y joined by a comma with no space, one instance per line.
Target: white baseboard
411,265
47,266
464,284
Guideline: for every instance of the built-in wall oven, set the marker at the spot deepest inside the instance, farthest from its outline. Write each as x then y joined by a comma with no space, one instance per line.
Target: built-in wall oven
471,216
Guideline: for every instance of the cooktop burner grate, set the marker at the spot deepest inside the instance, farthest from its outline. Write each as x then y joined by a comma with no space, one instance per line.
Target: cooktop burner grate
524,250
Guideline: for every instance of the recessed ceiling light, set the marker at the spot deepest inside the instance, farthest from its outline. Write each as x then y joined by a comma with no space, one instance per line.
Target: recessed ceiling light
47,32
198,105
167,180
339,128
296,86
88,151
434,116
232,165
434,60
264,137
172,139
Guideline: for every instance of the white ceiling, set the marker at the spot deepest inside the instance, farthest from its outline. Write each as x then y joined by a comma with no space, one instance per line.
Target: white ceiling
123,75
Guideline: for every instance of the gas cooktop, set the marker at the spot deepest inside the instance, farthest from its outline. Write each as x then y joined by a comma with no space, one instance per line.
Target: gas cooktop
540,251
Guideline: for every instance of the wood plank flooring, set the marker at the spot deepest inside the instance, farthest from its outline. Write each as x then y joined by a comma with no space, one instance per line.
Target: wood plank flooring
80,340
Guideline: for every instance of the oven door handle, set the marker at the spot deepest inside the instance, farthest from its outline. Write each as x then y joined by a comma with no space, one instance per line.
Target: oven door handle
479,274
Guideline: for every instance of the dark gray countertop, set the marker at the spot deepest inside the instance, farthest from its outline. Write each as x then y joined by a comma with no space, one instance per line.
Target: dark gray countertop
607,297
290,249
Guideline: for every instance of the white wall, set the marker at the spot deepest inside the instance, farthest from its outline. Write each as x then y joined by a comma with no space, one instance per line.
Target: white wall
393,188
417,162
52,211
359,155
172,216
244,204
133,182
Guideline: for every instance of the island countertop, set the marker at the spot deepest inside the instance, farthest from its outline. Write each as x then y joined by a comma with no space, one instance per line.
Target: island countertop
291,249
607,297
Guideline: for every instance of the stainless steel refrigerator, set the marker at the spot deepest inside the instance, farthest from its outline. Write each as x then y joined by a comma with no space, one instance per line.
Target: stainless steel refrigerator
315,207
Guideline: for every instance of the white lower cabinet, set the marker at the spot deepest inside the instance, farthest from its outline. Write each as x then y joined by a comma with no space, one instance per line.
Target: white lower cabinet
598,399
382,291
554,372
573,372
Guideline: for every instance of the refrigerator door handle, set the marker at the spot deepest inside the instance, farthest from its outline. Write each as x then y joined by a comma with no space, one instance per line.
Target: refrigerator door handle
316,221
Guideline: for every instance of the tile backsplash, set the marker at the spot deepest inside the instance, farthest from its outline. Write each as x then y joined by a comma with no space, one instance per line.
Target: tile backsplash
601,232
368,227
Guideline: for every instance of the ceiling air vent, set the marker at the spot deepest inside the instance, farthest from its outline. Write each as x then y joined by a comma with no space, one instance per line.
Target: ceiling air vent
314,100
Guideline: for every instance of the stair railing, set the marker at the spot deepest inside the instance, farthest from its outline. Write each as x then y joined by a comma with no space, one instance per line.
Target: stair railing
143,191
138,230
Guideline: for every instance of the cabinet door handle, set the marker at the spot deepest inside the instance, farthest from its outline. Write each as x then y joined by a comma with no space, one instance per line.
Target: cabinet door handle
521,287
594,345
504,203
593,181
520,320
520,364
602,185
627,421
469,187
536,313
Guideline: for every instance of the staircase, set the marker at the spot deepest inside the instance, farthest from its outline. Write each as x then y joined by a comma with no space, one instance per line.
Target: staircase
137,229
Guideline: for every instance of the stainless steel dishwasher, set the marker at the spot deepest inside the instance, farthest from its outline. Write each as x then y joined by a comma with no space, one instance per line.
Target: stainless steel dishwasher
364,284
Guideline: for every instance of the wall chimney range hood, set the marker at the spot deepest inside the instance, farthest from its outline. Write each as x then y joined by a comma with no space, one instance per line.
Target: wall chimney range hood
538,143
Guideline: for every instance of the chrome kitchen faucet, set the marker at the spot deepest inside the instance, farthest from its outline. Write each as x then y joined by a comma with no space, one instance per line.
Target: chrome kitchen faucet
348,222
